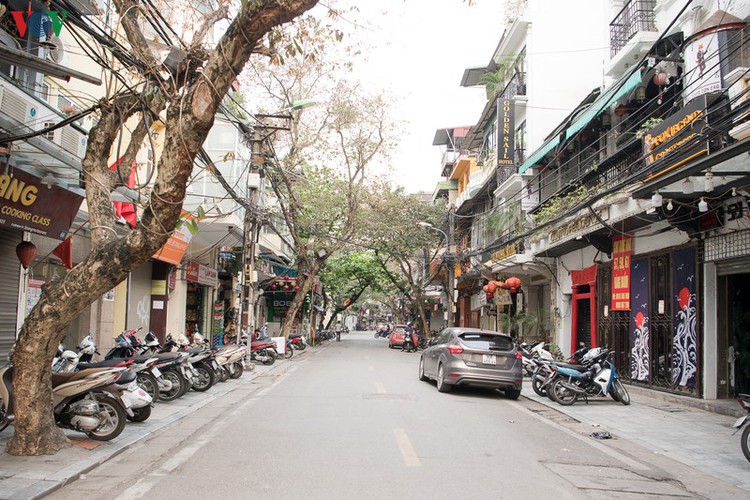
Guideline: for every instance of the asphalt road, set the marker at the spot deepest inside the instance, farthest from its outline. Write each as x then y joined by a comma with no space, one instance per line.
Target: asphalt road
353,421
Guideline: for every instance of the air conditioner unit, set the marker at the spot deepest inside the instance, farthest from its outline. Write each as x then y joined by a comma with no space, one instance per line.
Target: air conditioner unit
55,49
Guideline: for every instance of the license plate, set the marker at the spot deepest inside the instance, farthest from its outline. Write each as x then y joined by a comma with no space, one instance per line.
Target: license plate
155,372
740,421
489,359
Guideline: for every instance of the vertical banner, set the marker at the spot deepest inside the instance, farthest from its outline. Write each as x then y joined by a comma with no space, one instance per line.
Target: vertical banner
218,323
685,338
622,251
505,132
639,323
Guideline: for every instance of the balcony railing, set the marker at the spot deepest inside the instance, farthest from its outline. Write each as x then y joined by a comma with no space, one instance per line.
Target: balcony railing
635,16
516,86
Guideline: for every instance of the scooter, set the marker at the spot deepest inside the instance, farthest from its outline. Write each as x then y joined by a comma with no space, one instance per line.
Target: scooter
411,341
600,379
744,401
86,401
297,341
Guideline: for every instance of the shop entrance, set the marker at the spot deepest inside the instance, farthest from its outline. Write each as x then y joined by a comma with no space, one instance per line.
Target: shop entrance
583,327
733,347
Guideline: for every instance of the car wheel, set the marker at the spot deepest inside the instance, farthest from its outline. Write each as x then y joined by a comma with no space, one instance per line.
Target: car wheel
513,393
441,385
422,376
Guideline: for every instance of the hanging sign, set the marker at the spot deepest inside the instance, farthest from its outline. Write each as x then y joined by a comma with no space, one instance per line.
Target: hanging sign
505,128
622,251
28,205
174,249
201,274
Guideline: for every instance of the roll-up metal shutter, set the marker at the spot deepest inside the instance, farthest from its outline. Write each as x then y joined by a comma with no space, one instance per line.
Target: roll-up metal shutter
9,277
733,266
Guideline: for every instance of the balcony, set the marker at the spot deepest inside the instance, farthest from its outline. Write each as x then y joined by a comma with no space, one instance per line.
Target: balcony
516,86
631,33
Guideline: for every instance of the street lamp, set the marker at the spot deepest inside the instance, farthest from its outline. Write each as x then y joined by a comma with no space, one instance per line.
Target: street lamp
448,259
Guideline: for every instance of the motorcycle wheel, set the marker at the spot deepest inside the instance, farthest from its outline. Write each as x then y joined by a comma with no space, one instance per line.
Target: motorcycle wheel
115,415
619,390
4,422
186,385
289,352
561,394
140,414
177,381
206,378
270,358
300,346
148,383
536,384
376,335
238,370
745,442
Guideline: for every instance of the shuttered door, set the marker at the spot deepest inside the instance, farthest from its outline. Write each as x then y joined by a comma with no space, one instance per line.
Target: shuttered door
9,277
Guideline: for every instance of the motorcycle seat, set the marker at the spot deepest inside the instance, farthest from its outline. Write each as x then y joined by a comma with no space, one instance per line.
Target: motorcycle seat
62,378
107,363
126,378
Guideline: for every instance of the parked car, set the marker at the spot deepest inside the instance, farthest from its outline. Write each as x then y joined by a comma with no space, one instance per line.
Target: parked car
397,336
473,357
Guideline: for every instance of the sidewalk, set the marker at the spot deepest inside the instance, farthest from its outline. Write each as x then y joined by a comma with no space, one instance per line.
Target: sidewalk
34,477
667,425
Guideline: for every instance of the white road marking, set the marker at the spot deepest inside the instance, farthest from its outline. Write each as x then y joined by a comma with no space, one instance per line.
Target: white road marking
379,388
599,446
407,450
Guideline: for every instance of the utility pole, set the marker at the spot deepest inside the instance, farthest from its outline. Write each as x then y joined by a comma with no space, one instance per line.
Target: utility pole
450,261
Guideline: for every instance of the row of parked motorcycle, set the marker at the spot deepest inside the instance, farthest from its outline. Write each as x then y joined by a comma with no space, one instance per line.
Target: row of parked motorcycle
587,373
97,398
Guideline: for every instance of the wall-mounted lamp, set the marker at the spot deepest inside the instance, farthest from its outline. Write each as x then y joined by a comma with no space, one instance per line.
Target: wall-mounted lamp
709,181
703,206
657,200
640,93
670,207
687,186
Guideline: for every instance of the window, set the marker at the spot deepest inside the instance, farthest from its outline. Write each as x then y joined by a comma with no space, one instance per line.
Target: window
50,135
45,92
487,341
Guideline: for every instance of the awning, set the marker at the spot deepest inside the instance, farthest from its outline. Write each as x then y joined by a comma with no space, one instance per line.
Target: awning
615,92
223,231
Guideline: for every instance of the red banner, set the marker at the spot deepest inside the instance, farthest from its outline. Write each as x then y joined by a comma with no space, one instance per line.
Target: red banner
622,251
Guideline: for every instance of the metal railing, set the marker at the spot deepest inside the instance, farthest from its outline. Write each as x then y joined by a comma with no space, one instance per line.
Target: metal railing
635,16
516,86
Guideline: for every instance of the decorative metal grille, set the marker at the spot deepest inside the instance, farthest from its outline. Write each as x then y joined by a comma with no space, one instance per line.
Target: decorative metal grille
728,246
635,16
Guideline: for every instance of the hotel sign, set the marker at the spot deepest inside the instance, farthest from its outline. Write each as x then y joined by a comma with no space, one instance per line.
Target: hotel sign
506,128
580,224
505,252
677,140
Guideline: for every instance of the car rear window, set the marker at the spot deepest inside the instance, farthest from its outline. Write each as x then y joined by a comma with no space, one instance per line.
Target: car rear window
487,341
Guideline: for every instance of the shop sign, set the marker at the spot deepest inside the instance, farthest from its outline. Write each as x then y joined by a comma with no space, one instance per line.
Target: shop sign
33,293
505,252
174,249
702,71
503,297
676,141
584,276
201,274
478,300
580,224
622,251
28,205
505,128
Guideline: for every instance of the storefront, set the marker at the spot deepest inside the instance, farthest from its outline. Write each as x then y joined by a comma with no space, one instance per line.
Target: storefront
201,282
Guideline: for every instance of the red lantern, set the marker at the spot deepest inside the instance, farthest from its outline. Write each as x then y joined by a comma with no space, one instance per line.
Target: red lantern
26,252
273,287
286,277
661,79
491,287
500,284
490,295
513,284
296,289
485,289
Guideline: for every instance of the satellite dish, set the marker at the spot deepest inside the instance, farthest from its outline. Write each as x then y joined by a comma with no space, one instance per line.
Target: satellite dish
55,49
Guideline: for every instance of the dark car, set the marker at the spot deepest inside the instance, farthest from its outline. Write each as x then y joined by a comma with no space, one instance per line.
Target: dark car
473,357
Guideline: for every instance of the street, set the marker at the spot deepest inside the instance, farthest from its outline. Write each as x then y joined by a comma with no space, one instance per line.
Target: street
353,420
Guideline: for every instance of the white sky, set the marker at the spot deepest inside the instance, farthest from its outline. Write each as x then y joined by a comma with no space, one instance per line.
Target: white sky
419,50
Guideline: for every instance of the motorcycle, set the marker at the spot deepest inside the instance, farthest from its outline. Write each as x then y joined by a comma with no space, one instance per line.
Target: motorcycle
263,351
86,401
545,371
382,333
411,341
600,379
744,401
298,341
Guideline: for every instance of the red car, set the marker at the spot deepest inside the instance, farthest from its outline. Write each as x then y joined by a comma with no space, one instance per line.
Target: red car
397,336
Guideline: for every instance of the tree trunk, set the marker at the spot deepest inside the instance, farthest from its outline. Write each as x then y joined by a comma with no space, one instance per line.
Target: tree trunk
299,297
